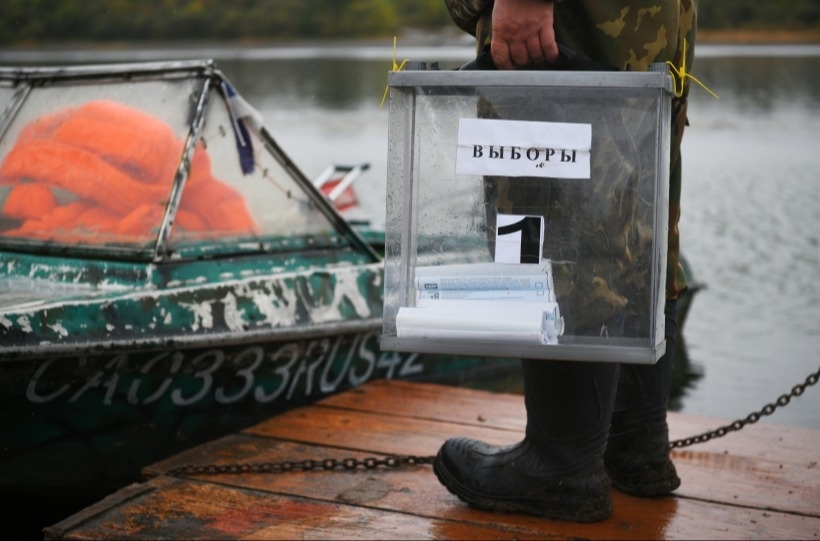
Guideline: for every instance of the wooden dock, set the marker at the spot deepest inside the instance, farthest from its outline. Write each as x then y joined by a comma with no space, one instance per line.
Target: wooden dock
762,482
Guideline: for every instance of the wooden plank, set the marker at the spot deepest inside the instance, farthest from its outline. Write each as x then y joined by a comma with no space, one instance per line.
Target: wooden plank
185,509
754,470
778,463
69,527
380,433
430,401
506,411
759,483
416,491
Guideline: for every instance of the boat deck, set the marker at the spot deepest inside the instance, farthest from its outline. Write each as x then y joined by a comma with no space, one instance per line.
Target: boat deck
762,482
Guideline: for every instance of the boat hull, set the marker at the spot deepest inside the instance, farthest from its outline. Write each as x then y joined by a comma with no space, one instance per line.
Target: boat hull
84,425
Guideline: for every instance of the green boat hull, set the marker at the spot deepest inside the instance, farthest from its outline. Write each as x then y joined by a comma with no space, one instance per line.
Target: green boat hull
85,425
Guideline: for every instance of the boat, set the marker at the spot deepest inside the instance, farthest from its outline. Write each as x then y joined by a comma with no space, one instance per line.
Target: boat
168,275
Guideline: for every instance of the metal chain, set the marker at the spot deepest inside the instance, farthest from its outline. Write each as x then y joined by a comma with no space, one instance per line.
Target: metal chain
754,417
371,463
303,465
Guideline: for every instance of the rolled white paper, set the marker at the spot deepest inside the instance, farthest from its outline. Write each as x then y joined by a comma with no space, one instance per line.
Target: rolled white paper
476,320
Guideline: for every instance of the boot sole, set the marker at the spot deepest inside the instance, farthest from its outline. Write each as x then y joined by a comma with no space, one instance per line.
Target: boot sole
594,510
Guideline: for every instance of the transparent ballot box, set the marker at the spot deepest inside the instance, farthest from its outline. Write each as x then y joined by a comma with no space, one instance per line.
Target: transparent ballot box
527,214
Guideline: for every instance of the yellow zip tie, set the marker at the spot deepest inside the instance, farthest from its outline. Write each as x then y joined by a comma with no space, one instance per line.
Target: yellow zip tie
682,75
396,67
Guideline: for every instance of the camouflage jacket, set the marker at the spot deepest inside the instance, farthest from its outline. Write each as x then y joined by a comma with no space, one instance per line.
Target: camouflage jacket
627,34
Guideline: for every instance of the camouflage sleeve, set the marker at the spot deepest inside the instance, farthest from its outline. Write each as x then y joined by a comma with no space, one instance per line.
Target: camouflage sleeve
630,36
466,13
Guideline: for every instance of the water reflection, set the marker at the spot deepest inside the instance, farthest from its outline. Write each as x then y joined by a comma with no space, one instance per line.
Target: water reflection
685,375
753,85
334,84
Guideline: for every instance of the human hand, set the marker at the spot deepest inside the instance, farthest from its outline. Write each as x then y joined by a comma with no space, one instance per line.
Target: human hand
523,33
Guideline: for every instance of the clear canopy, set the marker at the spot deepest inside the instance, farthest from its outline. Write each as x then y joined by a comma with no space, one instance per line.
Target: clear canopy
119,164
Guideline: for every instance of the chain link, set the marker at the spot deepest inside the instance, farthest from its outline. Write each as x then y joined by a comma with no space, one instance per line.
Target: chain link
371,463
754,417
326,464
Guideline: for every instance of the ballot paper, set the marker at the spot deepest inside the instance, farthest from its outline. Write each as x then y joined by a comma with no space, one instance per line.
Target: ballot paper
485,281
483,302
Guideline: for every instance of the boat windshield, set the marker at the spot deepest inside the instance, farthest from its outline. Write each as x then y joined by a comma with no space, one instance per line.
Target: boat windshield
95,166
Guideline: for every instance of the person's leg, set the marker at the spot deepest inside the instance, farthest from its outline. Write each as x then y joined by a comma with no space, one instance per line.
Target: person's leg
637,455
557,470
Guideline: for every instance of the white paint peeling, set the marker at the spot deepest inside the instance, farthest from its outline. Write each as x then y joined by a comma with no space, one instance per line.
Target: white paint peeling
233,315
24,324
346,287
279,311
172,284
277,270
107,285
275,298
59,329
203,315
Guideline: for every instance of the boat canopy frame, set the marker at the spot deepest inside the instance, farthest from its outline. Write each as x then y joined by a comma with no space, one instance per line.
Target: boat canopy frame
22,80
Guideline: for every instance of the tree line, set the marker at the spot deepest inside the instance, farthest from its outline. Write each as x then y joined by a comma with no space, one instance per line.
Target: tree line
54,21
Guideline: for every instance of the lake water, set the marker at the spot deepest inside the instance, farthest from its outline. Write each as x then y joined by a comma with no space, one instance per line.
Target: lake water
751,201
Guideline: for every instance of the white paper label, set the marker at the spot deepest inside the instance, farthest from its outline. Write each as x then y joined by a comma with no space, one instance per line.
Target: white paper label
519,148
519,239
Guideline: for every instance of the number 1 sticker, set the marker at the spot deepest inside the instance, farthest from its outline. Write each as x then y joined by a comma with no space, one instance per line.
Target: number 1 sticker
519,238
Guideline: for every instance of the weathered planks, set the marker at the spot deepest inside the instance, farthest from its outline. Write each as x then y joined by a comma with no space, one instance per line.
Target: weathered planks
762,465
760,483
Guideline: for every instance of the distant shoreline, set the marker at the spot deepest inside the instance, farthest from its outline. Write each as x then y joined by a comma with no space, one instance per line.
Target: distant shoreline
445,45
415,37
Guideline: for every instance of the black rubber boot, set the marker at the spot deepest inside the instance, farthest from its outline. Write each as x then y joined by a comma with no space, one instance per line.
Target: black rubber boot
557,471
637,455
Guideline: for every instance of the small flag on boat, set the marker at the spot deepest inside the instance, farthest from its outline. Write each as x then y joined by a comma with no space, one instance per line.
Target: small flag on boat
240,112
